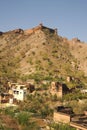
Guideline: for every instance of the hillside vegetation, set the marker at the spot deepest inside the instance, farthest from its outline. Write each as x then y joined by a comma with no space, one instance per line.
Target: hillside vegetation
45,57
25,54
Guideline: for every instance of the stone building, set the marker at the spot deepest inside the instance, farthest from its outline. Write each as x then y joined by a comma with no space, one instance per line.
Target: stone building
62,114
66,115
59,89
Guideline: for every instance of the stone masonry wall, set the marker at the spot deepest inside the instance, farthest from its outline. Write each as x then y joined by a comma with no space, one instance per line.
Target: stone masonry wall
63,118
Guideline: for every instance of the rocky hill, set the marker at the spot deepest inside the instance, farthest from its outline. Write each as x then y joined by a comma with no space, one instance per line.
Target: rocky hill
40,51
79,50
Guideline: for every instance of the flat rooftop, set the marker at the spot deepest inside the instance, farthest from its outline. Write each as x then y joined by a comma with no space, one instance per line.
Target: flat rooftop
65,110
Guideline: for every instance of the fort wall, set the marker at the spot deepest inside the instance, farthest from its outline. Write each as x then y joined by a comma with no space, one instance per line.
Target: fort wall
39,27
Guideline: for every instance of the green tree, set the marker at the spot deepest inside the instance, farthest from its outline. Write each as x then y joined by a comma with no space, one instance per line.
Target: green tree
23,118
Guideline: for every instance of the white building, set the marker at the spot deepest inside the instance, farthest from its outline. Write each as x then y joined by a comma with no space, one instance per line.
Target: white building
19,92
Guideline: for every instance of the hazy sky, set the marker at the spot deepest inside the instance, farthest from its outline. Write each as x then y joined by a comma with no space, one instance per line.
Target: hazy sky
68,16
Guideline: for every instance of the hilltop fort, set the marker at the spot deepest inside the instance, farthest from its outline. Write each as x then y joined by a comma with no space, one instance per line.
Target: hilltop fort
39,27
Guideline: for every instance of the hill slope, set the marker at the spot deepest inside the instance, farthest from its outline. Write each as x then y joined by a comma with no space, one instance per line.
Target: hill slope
79,50
40,51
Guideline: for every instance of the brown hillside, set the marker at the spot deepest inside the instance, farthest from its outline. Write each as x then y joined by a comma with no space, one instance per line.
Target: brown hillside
79,51
40,50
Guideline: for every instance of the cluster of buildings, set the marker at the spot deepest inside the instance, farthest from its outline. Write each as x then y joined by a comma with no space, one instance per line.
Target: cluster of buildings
65,114
18,92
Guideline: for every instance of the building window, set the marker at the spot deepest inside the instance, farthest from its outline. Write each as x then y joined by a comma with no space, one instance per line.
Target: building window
17,92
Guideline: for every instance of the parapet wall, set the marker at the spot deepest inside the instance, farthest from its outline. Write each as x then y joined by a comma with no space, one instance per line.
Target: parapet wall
30,31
